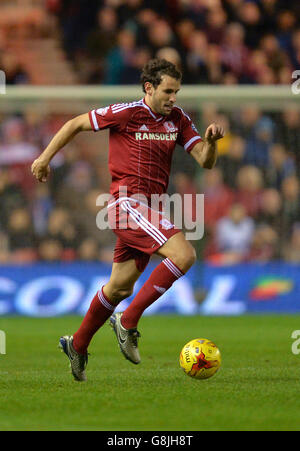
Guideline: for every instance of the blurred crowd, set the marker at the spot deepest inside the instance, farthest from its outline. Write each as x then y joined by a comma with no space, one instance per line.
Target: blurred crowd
252,208
252,196
212,41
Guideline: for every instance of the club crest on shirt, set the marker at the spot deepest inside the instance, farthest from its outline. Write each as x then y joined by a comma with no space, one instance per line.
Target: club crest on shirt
170,127
102,111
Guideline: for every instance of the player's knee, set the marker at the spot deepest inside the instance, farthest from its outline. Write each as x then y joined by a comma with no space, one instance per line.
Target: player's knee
118,293
185,259
189,258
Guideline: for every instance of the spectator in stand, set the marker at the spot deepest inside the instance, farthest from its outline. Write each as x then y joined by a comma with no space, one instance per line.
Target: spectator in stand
21,236
100,41
11,195
50,250
184,28
62,165
128,10
41,206
249,182
208,113
215,25
269,10
290,190
120,57
258,131
267,77
160,34
265,245
286,23
62,230
5,255
250,17
218,197
258,65
259,142
232,8
170,54
271,210
85,219
284,76
196,10
234,234
144,19
216,71
103,37
234,53
88,250
295,48
232,161
196,58
244,121
79,179
280,166
14,72
183,185
291,252
288,132
276,58
17,153
132,72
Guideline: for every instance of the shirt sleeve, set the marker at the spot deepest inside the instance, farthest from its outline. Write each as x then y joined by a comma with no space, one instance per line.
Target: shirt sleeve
188,135
111,116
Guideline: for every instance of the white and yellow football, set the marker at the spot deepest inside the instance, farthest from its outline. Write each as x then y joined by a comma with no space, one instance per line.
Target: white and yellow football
200,358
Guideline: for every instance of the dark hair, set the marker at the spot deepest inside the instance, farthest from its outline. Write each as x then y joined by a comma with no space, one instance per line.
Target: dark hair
155,68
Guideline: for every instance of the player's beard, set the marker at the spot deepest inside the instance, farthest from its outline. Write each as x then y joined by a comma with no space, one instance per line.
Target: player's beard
160,107
168,108
165,108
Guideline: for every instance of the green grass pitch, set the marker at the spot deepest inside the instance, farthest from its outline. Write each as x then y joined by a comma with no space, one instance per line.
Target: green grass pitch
257,387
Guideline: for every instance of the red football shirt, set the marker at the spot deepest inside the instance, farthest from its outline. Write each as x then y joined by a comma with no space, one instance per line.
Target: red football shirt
141,144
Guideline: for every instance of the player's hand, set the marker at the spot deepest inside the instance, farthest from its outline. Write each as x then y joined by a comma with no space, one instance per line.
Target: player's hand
214,132
40,169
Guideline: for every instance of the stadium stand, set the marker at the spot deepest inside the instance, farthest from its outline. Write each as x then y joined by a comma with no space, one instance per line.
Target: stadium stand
253,193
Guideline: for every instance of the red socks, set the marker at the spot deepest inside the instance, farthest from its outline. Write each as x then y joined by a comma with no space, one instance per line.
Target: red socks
100,310
161,279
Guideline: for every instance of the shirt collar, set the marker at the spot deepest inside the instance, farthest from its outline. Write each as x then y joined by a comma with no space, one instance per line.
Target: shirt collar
157,117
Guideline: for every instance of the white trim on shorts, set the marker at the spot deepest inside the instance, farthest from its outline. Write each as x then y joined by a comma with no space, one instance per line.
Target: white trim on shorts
146,225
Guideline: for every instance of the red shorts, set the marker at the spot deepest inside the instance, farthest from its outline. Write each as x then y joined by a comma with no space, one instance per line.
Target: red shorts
140,229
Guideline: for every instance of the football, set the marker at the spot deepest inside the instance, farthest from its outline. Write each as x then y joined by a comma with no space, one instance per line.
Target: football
200,358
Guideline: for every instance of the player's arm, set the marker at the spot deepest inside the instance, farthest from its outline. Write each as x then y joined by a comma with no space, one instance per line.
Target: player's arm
40,167
206,152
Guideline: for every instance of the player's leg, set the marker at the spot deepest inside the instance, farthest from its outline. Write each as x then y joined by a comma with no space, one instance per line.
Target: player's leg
120,286
127,338
154,234
179,255
121,283
179,251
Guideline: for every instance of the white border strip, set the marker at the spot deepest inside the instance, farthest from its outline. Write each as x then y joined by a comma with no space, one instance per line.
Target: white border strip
148,223
170,265
144,224
117,109
191,141
104,301
95,123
